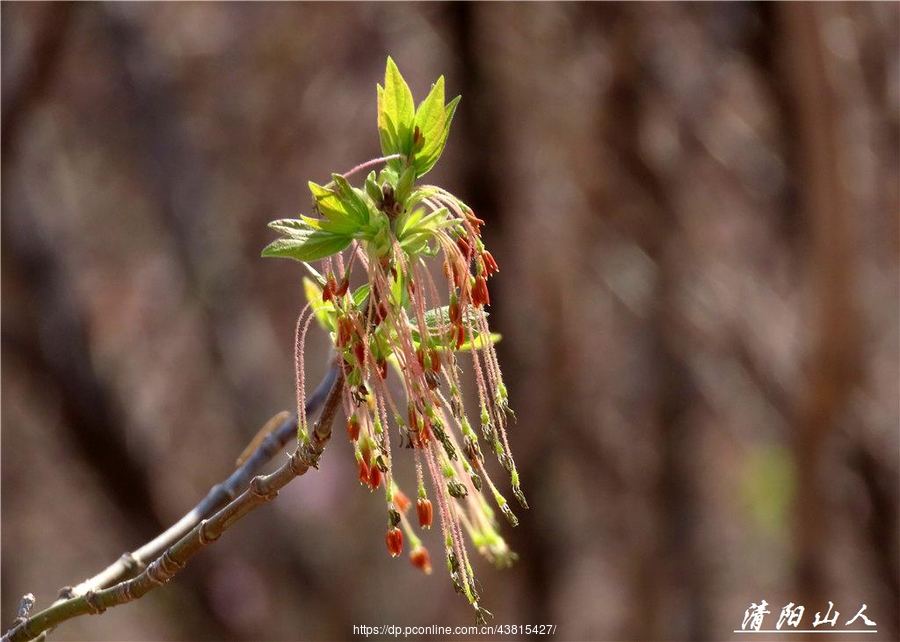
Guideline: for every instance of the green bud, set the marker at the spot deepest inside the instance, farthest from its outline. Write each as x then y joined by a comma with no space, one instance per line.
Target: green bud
372,189
510,516
452,562
456,489
520,496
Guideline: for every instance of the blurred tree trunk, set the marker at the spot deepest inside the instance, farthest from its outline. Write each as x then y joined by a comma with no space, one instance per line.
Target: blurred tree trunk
669,597
832,369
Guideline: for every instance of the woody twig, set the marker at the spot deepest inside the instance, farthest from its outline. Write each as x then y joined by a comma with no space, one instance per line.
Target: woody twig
171,550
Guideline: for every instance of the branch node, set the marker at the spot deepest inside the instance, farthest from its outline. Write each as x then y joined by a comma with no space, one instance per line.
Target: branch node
91,598
125,590
258,488
311,454
300,461
203,536
164,568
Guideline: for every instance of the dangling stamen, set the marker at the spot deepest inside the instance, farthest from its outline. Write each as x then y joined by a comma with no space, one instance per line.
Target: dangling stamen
299,370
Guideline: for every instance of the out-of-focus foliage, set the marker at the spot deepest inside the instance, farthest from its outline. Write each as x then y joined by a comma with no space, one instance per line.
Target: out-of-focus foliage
695,207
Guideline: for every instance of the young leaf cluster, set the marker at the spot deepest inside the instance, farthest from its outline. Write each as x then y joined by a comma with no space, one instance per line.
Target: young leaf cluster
386,208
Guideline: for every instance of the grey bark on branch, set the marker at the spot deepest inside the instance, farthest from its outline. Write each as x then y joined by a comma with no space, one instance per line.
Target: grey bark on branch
171,550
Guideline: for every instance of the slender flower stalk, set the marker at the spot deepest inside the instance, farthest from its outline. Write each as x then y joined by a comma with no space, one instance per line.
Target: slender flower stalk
386,235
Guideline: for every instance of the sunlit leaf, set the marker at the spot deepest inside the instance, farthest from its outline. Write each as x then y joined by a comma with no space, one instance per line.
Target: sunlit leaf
433,149
307,245
396,113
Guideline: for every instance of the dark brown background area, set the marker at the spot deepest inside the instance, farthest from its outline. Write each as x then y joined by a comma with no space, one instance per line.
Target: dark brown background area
695,210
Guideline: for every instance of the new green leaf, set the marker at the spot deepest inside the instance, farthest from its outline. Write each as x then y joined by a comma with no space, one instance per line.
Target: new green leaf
307,245
396,113
434,144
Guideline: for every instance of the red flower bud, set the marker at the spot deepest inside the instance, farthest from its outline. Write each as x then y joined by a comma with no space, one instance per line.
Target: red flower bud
363,472
345,331
455,314
360,352
474,220
460,336
463,244
328,291
425,512
435,360
353,428
379,313
480,294
341,289
394,540
374,477
401,500
490,265
452,272
420,559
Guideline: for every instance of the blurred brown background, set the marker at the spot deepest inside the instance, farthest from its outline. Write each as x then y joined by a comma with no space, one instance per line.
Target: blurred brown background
695,209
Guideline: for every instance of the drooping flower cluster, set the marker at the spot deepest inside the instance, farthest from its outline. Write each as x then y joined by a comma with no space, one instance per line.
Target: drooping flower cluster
390,230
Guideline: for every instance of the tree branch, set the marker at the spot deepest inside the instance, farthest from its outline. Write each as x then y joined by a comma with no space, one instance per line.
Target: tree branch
172,549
